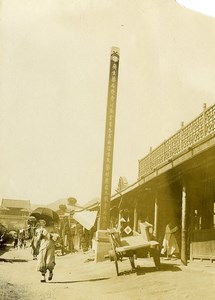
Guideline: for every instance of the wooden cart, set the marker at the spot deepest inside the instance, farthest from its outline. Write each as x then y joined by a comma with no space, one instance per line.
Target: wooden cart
135,246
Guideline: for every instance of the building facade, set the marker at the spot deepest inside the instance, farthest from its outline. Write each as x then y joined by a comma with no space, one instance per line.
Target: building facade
177,180
14,213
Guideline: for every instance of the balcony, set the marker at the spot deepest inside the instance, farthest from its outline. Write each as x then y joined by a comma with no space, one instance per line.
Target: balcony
198,131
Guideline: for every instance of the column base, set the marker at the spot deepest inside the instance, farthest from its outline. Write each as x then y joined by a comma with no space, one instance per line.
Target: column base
102,245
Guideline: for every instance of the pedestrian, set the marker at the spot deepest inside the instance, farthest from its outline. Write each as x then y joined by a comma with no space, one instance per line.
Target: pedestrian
2,238
35,247
34,241
170,244
196,220
21,239
15,240
46,237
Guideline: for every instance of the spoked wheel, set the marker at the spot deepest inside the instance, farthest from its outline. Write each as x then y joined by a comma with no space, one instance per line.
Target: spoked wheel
116,264
131,258
113,257
156,258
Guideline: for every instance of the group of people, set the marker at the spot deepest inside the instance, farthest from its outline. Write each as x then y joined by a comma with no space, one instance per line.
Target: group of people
19,239
46,236
45,239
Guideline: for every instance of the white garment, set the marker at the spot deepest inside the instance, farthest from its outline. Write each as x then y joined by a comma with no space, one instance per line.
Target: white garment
170,244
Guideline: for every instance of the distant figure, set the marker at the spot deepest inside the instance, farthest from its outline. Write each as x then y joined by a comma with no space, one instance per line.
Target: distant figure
196,220
21,239
35,248
170,245
2,237
34,241
15,240
46,238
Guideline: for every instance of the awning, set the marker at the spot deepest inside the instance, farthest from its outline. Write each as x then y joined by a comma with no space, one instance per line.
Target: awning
86,218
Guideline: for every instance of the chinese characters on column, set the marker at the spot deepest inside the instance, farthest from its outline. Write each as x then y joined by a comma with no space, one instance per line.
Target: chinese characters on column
109,140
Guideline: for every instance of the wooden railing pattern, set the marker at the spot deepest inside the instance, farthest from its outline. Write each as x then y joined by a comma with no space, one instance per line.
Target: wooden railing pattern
200,128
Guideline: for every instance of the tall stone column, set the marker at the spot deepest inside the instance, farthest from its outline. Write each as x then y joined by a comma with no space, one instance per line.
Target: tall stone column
102,237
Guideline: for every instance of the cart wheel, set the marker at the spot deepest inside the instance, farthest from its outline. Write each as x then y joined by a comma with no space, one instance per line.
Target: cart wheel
131,258
111,255
156,258
116,264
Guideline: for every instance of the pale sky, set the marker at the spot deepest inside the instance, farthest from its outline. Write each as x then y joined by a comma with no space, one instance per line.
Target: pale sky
54,77
206,7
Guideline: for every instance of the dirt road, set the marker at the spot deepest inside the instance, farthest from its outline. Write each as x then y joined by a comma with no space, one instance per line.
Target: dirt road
77,277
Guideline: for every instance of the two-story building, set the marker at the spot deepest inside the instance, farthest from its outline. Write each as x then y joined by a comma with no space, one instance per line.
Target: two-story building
175,180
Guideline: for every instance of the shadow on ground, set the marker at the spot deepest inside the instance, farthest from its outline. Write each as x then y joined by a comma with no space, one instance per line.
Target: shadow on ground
11,260
163,267
4,248
78,281
143,270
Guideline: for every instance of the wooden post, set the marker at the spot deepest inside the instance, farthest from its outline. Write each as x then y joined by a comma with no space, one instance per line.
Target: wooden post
156,217
184,227
119,223
135,218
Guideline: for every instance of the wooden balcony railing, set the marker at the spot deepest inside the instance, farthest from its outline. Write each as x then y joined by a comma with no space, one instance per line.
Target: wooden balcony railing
200,128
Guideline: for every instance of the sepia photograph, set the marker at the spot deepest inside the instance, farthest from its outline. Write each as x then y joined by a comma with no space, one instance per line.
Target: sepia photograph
107,138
